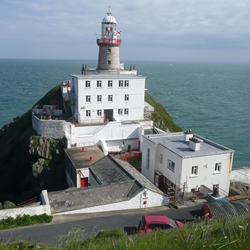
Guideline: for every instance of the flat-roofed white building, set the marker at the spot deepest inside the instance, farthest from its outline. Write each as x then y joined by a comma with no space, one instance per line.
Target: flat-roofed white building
186,162
102,98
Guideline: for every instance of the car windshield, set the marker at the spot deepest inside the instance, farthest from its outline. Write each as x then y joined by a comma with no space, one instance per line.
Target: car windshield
172,222
158,226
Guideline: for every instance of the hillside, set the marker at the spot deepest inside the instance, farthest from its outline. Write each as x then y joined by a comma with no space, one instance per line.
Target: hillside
18,181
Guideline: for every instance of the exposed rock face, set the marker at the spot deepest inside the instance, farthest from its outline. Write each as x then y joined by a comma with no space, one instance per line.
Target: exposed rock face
38,167
43,147
8,204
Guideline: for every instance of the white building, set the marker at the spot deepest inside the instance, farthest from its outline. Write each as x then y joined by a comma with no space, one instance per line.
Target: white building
186,162
104,106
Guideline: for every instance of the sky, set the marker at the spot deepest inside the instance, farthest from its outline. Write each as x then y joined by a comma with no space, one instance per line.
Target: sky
159,30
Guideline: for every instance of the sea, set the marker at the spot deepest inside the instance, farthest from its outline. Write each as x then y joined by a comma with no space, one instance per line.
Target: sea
211,99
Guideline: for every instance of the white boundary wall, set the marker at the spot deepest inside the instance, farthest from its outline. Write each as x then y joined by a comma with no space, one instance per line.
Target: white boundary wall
32,210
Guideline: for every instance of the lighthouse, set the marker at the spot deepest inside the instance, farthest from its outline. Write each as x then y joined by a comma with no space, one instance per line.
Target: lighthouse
108,93
109,43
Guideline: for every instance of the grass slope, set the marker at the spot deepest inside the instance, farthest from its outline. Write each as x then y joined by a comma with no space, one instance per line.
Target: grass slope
207,234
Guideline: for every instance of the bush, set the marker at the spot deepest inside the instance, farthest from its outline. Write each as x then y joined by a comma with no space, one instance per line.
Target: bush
25,220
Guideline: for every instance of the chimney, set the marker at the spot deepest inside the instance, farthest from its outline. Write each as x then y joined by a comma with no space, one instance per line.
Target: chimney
195,144
187,135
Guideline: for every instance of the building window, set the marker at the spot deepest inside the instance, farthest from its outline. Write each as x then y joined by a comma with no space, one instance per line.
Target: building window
109,50
99,112
110,84
88,98
171,165
110,98
194,170
161,158
126,83
109,62
99,98
99,84
119,111
120,83
148,157
126,98
125,111
87,84
88,113
217,167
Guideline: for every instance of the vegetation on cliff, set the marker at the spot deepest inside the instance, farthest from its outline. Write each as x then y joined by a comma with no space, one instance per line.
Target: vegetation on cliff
26,167
160,117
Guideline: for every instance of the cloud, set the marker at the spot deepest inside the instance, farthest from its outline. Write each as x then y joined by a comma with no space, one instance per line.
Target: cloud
62,29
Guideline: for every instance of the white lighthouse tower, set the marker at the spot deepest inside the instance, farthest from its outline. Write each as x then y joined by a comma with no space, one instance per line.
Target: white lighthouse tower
109,57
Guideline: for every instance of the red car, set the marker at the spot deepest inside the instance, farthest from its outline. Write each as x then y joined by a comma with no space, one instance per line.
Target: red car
150,223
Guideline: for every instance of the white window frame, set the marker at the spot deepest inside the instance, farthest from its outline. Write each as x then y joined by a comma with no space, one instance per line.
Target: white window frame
87,84
126,98
99,98
110,98
161,158
126,111
194,170
88,98
110,84
217,167
99,112
171,165
88,113
119,111
126,83
99,84
120,83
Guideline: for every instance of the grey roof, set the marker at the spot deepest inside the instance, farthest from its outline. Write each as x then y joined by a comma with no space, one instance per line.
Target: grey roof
138,176
109,170
78,198
227,209
119,182
176,143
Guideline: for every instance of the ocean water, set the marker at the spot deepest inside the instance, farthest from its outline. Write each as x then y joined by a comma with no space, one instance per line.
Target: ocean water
212,99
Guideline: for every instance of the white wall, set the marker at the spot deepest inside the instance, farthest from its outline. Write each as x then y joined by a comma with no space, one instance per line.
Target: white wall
148,172
30,210
51,128
135,104
206,172
153,200
174,176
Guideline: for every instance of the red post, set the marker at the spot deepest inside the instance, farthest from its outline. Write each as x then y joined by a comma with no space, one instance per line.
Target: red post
82,149
90,158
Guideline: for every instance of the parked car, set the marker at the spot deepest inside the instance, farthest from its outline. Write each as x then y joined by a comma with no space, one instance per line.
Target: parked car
150,223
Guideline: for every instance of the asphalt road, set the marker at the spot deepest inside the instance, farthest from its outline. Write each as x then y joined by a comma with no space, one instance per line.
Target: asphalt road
93,223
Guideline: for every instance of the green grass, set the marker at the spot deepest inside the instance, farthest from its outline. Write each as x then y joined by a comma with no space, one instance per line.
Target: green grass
207,234
160,117
24,220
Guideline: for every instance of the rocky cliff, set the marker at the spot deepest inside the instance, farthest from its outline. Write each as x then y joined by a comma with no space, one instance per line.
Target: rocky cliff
30,163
